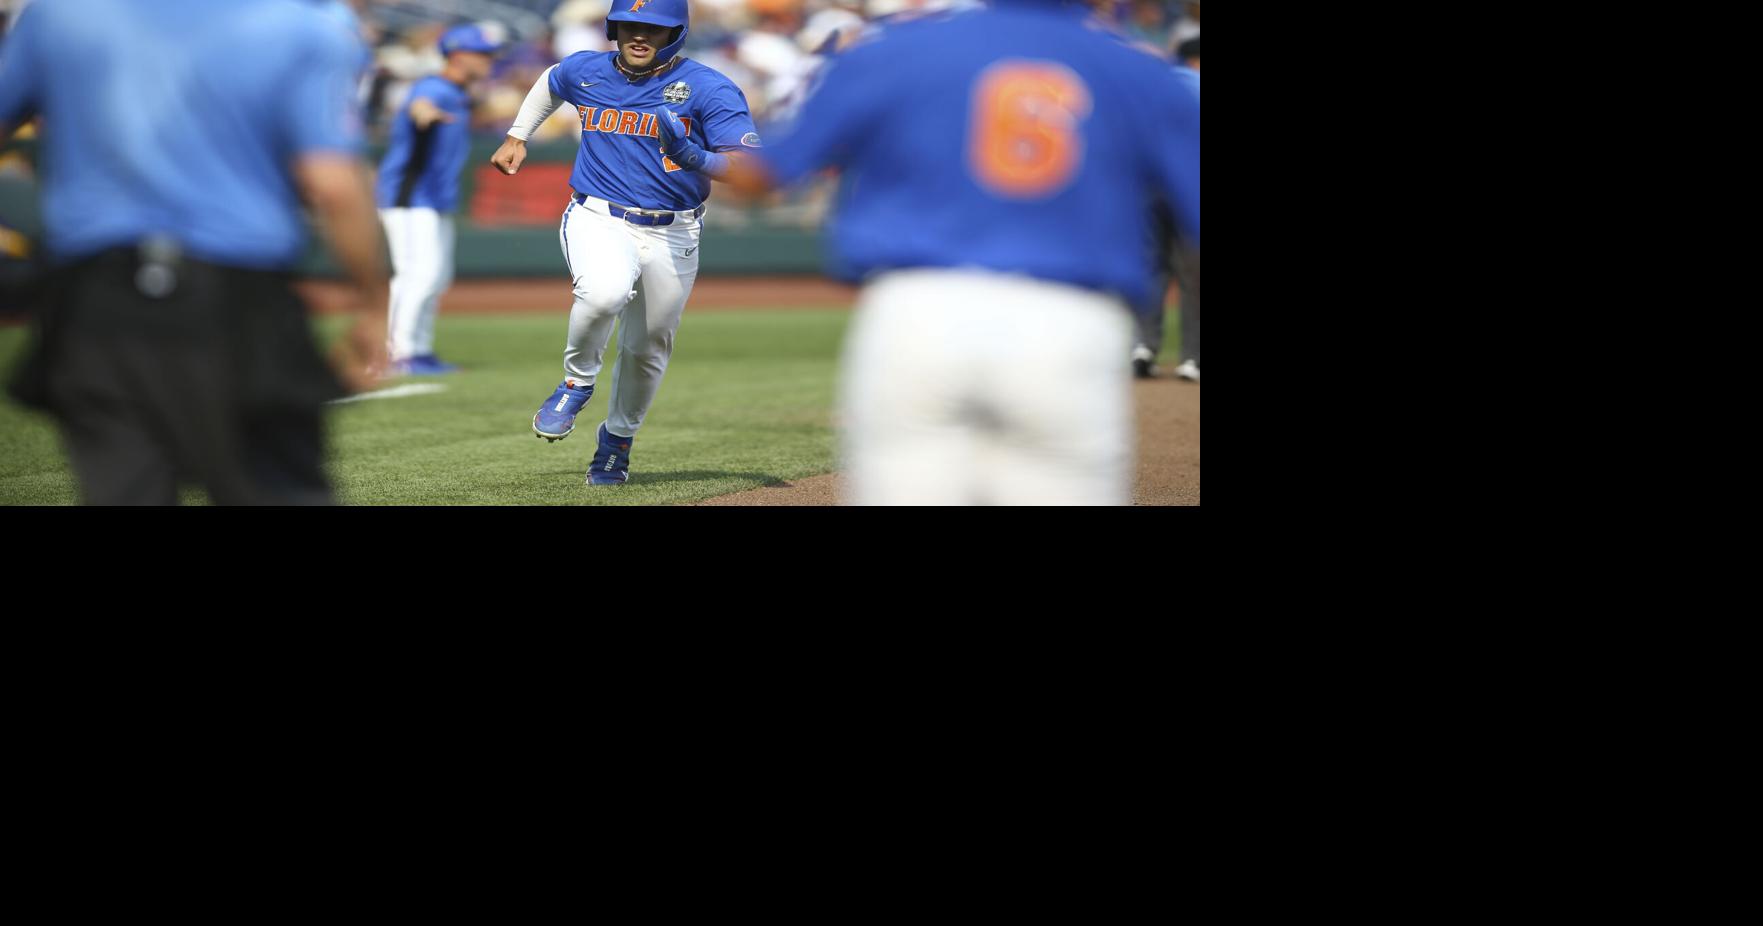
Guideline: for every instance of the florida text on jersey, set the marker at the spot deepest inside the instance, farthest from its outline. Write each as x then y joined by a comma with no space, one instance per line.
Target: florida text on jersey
620,158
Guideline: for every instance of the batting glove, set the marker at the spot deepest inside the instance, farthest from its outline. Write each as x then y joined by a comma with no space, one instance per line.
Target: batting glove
683,150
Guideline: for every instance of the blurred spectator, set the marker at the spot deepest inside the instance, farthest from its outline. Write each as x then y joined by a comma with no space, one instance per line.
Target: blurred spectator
1187,26
1188,54
414,54
876,9
1149,21
770,49
725,15
578,25
401,63
823,25
720,51
501,100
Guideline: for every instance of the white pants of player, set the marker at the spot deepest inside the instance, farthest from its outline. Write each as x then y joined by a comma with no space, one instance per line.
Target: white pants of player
421,246
639,274
966,387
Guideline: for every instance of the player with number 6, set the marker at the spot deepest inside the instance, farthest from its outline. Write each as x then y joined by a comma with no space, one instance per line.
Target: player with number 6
998,163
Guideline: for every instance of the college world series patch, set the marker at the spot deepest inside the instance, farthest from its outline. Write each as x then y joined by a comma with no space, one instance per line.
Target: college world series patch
676,92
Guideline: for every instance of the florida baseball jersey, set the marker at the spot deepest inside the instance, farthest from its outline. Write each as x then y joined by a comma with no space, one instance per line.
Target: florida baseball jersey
620,158
1039,156
421,167
215,97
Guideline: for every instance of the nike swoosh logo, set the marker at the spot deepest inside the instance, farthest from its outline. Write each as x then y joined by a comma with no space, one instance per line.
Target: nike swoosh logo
589,83
689,251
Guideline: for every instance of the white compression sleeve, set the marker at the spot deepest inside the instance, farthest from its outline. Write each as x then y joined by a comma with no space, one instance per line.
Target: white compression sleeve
538,107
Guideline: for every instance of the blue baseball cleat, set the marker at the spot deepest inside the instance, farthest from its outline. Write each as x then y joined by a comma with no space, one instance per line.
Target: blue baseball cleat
556,418
422,365
426,365
612,462
431,362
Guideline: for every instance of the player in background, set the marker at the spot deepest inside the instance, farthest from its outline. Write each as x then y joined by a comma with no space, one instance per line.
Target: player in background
997,165
418,192
178,144
1173,258
1187,258
656,128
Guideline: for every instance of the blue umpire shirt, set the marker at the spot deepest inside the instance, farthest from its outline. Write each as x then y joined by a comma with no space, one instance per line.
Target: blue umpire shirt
182,119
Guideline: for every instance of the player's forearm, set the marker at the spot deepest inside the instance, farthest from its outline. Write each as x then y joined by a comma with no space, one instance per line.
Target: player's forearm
335,187
424,114
538,106
748,175
717,164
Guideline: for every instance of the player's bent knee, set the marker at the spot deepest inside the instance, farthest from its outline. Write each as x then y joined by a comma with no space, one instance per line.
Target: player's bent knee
601,298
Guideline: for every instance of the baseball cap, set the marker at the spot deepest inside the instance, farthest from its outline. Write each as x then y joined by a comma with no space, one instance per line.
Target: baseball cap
484,37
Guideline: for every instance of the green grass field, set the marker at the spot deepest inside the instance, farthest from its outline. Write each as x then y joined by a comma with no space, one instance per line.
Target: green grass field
747,401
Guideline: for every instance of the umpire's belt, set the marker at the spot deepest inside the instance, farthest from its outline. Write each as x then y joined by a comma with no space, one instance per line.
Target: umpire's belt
638,216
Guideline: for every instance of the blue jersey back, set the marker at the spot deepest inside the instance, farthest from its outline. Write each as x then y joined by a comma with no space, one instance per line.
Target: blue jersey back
180,119
421,169
620,158
1022,139
1190,77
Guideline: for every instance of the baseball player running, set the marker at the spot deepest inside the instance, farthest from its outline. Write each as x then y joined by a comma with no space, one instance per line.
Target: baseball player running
655,129
419,189
999,163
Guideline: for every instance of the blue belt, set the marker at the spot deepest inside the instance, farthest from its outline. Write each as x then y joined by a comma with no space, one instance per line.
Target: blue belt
637,216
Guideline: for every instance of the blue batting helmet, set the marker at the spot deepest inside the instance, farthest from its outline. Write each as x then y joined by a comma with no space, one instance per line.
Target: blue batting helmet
484,37
670,13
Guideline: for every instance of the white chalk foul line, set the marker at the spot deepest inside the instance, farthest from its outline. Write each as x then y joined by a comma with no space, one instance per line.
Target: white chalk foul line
396,392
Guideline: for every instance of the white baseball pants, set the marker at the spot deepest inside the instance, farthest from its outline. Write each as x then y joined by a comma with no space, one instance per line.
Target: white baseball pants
965,387
640,274
421,246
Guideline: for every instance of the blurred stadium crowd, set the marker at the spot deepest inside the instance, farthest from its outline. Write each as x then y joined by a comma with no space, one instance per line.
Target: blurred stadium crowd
768,47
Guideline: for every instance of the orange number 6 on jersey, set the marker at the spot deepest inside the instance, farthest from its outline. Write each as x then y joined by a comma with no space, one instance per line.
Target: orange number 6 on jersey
1024,141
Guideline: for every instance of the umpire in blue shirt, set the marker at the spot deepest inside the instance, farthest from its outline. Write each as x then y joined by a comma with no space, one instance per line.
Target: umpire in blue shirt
179,142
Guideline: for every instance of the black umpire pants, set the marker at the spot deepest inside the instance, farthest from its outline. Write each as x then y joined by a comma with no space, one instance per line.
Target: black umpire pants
175,371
